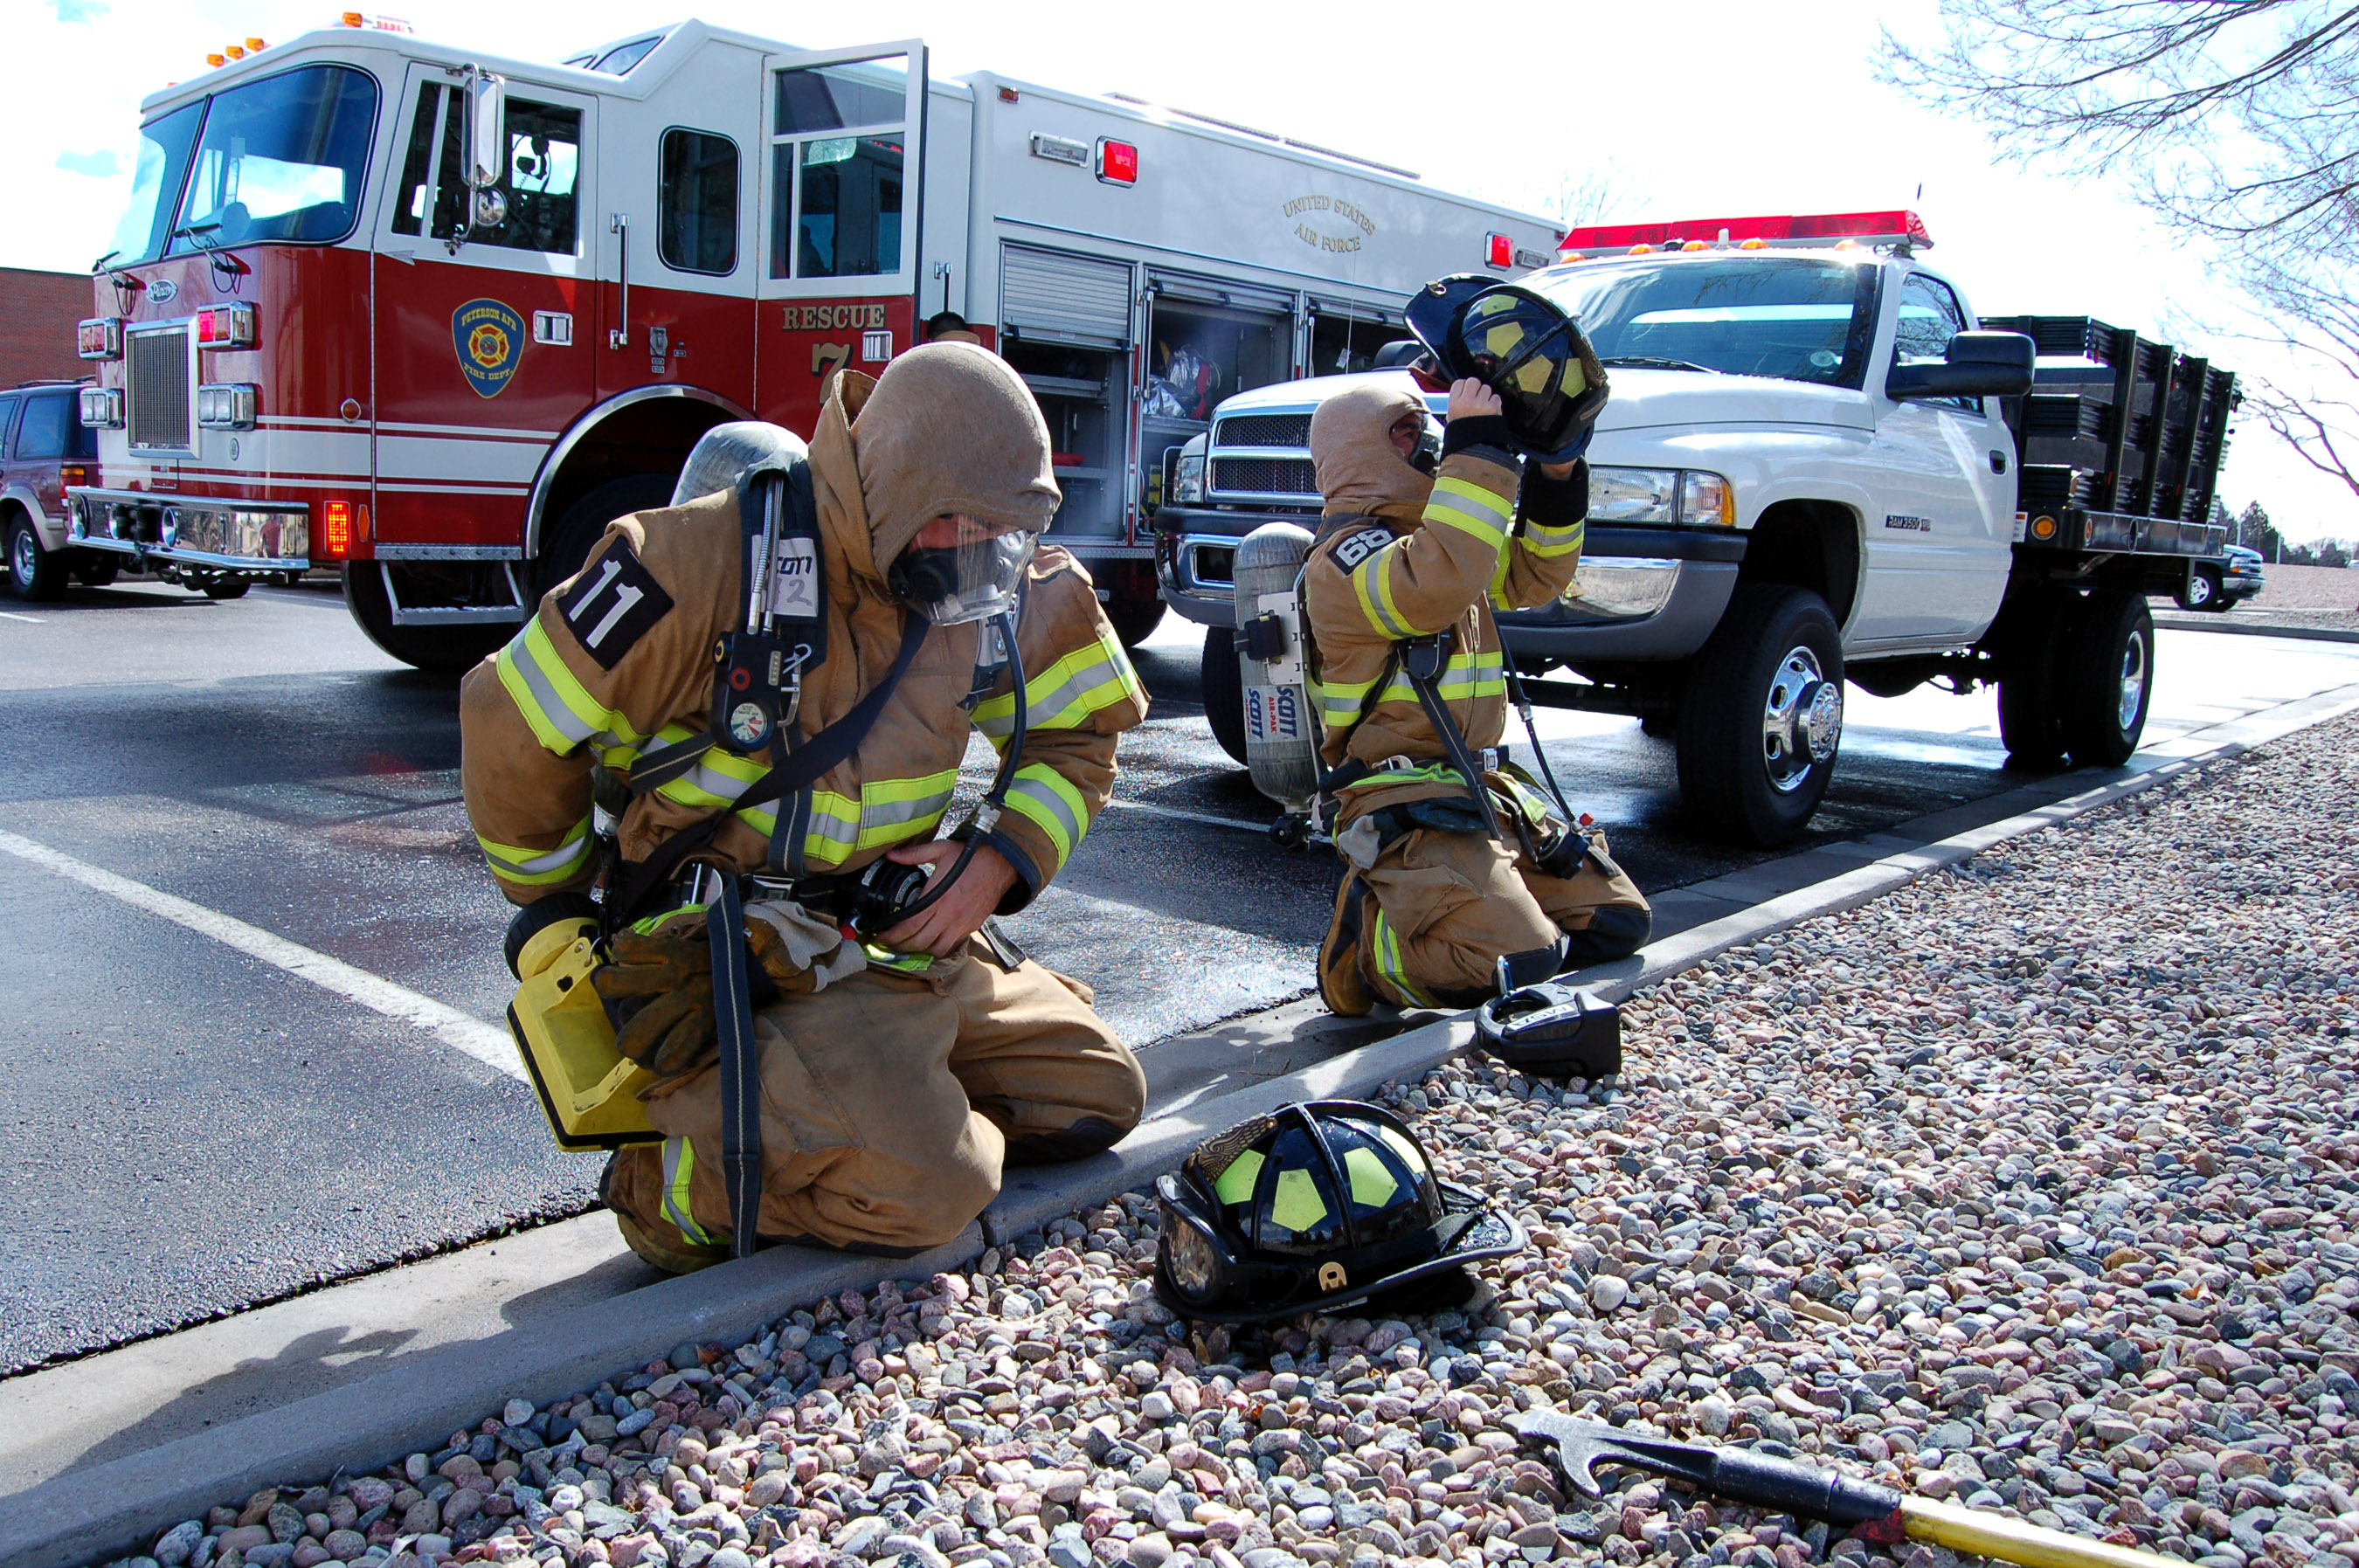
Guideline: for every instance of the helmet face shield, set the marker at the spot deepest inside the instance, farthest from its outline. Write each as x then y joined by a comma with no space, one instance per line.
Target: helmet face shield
1524,348
973,579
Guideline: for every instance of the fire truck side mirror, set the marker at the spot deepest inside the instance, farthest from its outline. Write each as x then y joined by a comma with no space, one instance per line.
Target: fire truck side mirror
487,130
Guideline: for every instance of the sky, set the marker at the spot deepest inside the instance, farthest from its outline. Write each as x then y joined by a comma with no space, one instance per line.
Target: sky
1693,110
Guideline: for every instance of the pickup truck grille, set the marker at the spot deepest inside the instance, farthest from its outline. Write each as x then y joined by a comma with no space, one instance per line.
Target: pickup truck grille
1265,476
1264,430
156,368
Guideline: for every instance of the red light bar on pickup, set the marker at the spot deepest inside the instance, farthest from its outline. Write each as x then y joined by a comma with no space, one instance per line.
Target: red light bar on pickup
1897,227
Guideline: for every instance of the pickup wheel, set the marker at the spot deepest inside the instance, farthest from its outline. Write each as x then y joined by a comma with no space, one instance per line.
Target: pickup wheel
441,649
2202,590
2107,677
2032,653
33,572
1224,692
225,588
1762,716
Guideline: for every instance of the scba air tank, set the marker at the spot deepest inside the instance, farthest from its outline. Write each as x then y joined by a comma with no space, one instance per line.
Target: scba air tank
1281,724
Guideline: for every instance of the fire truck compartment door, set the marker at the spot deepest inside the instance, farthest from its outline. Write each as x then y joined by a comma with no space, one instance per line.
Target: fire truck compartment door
1060,297
840,196
1183,286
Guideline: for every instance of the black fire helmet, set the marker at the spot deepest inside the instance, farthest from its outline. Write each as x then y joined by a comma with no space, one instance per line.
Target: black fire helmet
1521,346
1318,1205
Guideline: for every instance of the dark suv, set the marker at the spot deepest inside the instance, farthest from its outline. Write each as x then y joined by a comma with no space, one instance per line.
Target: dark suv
44,448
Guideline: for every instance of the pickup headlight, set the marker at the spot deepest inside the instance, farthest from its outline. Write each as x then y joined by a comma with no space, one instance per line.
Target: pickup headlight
1660,495
1188,479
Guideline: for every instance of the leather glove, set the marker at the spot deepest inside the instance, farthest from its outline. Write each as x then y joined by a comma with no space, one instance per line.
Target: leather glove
658,990
772,959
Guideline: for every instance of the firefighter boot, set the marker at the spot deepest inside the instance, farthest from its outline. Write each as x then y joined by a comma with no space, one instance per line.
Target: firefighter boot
1342,985
631,1186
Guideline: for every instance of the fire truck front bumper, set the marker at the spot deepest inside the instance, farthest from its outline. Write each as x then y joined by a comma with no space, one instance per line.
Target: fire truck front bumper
203,532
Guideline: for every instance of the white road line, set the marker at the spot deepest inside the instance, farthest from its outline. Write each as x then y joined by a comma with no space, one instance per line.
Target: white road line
1178,815
12,616
459,1030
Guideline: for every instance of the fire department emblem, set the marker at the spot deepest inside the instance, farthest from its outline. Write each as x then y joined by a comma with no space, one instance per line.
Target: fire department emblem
490,338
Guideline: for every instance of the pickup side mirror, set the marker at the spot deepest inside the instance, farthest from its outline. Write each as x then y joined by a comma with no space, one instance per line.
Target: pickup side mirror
1976,364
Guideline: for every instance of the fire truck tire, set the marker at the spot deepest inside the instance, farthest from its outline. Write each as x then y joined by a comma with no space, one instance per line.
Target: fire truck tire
1134,623
448,649
2107,677
2030,647
1224,692
582,523
33,572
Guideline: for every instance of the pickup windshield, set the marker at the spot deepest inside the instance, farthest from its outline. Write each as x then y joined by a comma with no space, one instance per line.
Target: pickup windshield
1793,317
281,158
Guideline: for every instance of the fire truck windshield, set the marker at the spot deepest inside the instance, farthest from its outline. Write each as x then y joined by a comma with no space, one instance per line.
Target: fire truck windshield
279,159
156,185
1793,317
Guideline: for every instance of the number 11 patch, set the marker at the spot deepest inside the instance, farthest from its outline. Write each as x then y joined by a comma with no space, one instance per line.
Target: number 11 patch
613,604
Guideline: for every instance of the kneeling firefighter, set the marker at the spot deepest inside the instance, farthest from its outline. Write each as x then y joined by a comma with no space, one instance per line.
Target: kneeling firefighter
768,689
1462,874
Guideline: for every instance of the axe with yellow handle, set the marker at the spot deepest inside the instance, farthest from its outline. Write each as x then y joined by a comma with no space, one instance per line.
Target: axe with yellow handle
1876,1513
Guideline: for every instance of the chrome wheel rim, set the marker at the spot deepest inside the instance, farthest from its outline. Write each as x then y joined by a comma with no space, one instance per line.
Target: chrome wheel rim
21,557
2200,591
1802,720
2133,677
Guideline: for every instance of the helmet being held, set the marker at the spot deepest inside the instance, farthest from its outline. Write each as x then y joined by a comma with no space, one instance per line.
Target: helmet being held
1320,1205
1523,347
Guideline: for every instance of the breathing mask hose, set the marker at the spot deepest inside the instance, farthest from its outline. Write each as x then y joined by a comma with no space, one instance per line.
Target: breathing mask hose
1524,707
994,800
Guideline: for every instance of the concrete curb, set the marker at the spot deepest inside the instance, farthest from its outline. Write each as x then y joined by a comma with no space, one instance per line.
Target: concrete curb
80,1515
2221,623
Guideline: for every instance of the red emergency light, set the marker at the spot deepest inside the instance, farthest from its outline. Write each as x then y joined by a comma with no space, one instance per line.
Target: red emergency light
226,327
337,532
1499,250
1117,162
1896,226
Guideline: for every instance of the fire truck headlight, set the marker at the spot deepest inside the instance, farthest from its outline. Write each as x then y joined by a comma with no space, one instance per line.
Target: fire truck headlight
101,407
227,406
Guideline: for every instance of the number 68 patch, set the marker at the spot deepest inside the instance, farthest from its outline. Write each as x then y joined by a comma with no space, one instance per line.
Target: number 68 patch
612,603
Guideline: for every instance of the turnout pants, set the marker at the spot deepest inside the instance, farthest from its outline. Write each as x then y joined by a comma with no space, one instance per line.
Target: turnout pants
1432,916
890,1101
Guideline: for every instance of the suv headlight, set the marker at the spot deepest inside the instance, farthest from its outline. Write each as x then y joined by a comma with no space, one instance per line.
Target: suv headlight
1660,495
1188,477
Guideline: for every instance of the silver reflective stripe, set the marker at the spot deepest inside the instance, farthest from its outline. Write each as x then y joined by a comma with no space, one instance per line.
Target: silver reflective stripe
557,859
1046,795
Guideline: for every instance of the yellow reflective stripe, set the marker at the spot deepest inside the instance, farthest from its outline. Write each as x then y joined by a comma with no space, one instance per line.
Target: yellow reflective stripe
646,927
553,701
1340,701
1295,1203
907,963
1374,584
1551,543
1236,1184
1386,942
1466,674
889,811
717,777
1432,773
1469,508
679,1165
1372,1184
1045,797
1087,680
538,867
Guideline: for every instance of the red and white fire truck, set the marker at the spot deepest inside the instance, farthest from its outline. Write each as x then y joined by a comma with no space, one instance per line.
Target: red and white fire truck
437,317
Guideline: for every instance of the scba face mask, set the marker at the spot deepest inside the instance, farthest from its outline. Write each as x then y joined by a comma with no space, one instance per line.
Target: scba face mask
973,579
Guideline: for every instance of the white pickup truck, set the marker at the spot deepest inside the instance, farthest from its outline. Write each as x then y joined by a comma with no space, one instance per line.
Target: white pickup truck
1817,466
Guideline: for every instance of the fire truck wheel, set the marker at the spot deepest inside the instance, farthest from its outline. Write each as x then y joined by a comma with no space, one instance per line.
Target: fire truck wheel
1224,692
1134,623
578,530
440,648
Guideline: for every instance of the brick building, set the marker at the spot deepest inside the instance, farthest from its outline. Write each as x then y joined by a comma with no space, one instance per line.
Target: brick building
38,312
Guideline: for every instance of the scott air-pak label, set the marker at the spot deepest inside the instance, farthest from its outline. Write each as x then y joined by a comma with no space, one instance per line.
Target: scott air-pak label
1272,713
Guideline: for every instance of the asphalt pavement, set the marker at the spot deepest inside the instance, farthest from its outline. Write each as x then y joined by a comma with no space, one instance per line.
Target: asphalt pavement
193,1130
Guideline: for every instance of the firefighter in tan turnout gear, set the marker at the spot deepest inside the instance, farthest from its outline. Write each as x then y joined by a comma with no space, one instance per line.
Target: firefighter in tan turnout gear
1437,889
894,1064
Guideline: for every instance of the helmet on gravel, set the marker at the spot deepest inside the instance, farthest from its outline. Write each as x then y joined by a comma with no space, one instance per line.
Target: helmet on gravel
1320,1205
1524,348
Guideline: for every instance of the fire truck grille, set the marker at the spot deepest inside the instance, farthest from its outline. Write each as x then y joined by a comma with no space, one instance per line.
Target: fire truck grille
158,367
1264,430
1265,476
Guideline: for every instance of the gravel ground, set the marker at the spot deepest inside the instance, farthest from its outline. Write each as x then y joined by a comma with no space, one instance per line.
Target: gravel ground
2030,1185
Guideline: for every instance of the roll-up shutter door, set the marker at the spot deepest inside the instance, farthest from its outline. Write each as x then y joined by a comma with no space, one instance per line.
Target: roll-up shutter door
1358,310
1181,286
1064,299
